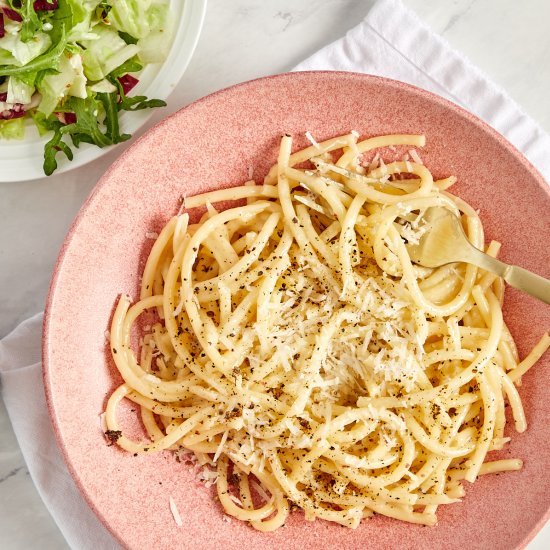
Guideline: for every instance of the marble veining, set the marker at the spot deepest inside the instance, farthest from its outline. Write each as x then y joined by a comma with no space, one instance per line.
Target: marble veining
455,18
11,473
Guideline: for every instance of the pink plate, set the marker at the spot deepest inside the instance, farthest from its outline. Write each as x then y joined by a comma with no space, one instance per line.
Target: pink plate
211,144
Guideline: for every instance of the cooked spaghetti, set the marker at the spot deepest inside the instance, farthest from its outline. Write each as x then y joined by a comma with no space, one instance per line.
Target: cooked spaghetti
300,354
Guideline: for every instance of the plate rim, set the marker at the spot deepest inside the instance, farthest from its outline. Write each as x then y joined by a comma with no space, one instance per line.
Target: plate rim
47,319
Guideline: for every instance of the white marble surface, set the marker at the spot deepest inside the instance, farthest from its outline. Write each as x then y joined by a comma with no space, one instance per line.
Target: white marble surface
242,39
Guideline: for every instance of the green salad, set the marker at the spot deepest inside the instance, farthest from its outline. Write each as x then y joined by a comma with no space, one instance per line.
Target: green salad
70,65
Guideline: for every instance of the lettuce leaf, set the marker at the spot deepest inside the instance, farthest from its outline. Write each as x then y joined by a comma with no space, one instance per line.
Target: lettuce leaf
138,17
22,52
105,53
47,60
68,81
19,91
12,129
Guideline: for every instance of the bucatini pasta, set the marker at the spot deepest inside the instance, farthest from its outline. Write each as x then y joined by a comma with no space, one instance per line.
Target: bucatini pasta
302,357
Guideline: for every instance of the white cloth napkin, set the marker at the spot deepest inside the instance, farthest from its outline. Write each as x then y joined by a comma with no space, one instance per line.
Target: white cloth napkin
391,41
23,393
406,50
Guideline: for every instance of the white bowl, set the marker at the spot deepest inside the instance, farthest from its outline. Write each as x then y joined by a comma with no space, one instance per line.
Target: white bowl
22,160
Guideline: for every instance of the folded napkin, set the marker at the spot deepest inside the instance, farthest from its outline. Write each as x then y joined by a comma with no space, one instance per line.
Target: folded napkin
406,50
391,41
23,393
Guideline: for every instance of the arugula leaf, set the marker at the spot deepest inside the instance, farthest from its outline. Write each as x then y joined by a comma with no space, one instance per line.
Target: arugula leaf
56,143
51,149
62,20
48,60
132,65
134,103
111,107
128,38
139,102
86,121
85,129
88,128
31,21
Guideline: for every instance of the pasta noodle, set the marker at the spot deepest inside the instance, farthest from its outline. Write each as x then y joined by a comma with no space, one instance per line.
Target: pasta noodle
297,351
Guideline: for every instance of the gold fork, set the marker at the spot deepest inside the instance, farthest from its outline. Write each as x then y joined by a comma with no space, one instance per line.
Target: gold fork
445,243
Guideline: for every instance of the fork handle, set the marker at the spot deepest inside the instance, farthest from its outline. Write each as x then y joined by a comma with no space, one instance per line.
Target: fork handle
529,282
515,276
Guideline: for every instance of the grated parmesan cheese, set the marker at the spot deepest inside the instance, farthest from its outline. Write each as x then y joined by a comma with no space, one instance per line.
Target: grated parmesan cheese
311,139
261,491
411,233
175,512
208,476
220,446
415,156
236,500
375,162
